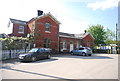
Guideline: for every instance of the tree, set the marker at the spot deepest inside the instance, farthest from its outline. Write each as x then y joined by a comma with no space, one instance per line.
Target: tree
98,33
110,37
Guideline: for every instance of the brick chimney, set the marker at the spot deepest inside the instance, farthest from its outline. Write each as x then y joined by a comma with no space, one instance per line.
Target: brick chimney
85,31
40,12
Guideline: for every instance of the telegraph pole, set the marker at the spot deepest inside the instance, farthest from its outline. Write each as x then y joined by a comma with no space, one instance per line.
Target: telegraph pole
116,33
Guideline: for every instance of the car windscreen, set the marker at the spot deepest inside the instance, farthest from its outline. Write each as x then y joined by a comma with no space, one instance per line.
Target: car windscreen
33,50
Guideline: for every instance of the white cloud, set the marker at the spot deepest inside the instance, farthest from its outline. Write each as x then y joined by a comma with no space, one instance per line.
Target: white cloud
103,4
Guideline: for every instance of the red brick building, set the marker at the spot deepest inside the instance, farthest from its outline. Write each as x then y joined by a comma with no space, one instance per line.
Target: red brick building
19,28
46,28
68,42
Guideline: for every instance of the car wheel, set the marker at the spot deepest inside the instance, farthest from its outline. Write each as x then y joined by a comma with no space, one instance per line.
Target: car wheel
33,59
90,54
84,54
48,56
72,53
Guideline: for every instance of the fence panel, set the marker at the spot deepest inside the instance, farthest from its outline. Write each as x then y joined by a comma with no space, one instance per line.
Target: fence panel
7,54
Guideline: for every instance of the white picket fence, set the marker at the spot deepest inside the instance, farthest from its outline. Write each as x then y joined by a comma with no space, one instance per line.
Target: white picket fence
0,50
6,54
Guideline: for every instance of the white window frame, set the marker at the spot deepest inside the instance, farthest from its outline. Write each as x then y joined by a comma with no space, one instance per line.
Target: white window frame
64,45
47,27
19,29
47,42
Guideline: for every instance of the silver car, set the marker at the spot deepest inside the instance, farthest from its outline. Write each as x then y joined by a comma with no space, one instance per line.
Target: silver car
85,51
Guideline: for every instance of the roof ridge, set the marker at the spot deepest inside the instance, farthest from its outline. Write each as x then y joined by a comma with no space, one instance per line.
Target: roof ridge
47,14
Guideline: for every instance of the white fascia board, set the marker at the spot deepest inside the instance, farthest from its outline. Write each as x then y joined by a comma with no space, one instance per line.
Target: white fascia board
68,37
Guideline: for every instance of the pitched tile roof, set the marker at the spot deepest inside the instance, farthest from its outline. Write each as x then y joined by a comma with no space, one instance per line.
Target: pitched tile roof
44,15
18,21
66,34
41,16
83,35
79,36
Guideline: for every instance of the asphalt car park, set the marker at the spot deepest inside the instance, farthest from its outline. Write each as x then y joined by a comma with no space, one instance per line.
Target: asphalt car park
97,66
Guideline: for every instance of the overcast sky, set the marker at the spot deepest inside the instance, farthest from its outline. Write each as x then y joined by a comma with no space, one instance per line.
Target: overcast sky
74,15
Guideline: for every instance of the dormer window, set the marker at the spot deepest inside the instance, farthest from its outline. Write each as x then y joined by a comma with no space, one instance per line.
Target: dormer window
21,29
47,27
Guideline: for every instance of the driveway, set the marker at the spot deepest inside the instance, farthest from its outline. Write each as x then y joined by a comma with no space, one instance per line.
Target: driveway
98,66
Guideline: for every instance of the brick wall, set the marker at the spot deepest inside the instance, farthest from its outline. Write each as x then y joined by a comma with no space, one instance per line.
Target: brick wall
69,41
42,34
16,30
88,41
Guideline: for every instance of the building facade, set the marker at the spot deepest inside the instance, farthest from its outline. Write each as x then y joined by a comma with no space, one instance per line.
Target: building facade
18,28
68,42
46,28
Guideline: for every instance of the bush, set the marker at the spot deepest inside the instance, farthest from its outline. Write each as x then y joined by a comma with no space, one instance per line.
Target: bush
13,43
100,51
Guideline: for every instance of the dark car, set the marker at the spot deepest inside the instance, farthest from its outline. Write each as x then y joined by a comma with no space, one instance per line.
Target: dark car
85,51
35,54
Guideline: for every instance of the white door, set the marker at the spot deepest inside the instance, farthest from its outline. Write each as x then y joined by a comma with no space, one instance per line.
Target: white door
71,47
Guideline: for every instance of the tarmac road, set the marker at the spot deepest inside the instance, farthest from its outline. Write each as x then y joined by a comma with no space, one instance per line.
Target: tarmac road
97,66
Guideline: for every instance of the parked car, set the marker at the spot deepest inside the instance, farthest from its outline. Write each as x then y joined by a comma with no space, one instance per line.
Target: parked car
85,51
35,54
